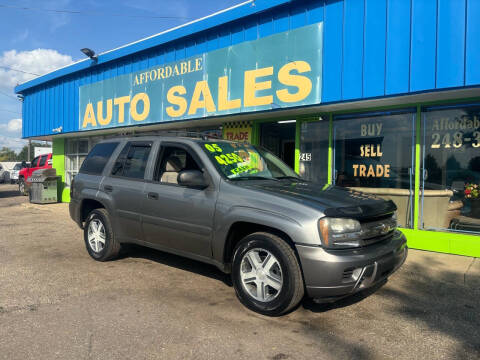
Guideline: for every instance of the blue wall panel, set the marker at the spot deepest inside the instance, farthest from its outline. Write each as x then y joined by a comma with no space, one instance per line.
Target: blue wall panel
374,48
472,71
397,69
200,45
281,20
190,49
315,12
352,78
298,17
170,54
332,51
451,43
224,38
237,34
265,27
423,43
251,31
179,54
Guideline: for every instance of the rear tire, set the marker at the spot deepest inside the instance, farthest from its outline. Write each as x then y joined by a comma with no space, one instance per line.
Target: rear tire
266,274
99,236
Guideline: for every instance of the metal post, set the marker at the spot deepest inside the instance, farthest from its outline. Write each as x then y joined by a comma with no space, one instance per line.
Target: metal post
29,147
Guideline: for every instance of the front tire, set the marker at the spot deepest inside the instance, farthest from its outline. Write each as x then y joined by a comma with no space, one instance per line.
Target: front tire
99,236
266,274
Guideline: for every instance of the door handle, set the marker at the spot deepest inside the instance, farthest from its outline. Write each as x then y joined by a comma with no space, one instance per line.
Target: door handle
108,188
152,195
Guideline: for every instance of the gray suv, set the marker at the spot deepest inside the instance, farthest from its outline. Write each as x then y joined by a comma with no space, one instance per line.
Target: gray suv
240,208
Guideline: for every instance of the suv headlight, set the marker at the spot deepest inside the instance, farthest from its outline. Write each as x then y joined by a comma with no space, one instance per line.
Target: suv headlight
340,233
395,218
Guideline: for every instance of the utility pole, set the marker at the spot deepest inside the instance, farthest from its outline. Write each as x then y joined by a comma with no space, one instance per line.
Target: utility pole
29,147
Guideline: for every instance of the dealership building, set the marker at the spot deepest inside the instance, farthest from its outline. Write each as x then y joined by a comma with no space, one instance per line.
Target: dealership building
380,96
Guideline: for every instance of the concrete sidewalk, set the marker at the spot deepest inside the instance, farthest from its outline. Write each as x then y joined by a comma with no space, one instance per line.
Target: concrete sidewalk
460,270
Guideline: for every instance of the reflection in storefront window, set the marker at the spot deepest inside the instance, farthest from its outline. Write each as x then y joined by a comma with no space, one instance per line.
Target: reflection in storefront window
314,151
451,169
374,155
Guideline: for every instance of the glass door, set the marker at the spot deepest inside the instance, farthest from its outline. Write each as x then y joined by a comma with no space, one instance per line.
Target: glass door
374,153
279,138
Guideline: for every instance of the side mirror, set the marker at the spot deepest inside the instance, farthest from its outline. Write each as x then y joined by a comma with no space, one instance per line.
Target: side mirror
192,178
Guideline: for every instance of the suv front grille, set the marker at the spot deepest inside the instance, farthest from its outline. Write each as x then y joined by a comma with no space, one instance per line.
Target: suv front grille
378,230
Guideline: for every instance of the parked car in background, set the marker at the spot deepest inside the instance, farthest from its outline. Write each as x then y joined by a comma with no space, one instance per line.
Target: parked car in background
16,170
40,162
4,174
239,207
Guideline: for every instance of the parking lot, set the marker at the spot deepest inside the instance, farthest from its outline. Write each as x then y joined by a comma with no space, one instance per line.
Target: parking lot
57,303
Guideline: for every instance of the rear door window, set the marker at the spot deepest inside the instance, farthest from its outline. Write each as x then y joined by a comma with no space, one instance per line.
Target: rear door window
98,158
136,161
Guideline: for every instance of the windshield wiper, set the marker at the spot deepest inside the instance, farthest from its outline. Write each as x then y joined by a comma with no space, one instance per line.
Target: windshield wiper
288,177
254,178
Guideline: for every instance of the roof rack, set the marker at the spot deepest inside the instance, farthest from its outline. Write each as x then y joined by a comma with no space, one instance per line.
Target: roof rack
177,133
192,134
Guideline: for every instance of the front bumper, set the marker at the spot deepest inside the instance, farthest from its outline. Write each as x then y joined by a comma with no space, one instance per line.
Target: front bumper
331,274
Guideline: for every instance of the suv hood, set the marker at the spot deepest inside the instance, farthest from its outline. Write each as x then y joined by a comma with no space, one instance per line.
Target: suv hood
333,201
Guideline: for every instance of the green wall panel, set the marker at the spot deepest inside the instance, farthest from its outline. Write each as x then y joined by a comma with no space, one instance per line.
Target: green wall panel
445,242
58,162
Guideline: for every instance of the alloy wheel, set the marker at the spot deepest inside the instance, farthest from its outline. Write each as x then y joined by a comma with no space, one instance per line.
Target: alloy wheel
261,275
96,235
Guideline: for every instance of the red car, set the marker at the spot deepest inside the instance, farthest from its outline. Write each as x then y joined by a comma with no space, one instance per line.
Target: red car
40,162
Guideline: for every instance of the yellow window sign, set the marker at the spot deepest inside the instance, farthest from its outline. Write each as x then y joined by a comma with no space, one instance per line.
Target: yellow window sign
242,133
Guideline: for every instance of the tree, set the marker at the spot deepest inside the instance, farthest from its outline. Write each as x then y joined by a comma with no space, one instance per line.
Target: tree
23,154
7,154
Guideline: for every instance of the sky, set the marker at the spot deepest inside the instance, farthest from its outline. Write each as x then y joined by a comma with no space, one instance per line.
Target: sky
38,36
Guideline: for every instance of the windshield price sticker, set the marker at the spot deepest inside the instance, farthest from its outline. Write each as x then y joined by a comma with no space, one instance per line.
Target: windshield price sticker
213,148
228,159
241,169
223,159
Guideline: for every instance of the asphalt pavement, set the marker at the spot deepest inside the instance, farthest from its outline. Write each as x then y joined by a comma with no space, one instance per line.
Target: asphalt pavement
58,303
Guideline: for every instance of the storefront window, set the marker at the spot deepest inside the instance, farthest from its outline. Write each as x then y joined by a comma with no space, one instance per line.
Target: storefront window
450,198
279,138
374,154
76,152
314,151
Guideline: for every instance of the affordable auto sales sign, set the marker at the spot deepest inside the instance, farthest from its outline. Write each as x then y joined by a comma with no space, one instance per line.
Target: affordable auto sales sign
278,71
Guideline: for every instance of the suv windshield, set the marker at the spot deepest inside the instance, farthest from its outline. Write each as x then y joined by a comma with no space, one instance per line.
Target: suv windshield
243,161
17,166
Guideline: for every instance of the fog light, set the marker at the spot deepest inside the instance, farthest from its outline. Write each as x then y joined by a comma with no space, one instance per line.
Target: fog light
356,273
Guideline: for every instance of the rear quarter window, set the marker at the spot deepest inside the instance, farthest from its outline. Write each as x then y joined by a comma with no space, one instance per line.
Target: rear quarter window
98,158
